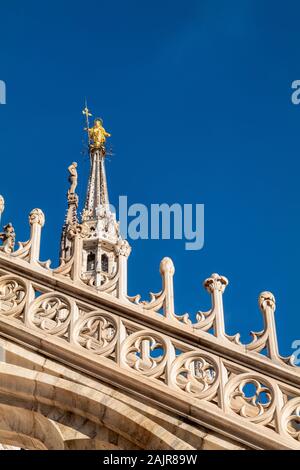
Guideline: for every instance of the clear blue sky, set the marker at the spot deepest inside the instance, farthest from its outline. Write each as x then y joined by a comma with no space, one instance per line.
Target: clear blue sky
196,95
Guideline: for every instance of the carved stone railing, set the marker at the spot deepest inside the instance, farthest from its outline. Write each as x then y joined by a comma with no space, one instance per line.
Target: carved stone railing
211,321
192,371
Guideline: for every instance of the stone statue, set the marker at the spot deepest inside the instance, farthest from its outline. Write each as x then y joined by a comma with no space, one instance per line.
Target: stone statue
73,178
98,134
86,213
8,237
112,225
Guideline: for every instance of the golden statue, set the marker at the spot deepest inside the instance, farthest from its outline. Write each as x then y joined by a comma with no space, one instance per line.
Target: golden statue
98,134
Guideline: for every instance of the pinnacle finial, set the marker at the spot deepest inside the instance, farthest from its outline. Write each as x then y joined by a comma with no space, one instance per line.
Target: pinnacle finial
37,216
267,299
216,282
8,237
2,205
167,266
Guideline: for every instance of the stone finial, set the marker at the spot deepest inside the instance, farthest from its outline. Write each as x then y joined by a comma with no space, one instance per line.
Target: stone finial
8,237
37,216
267,299
167,266
123,248
73,200
83,230
2,205
216,282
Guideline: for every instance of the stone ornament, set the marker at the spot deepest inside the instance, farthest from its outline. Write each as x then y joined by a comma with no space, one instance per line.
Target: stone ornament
163,301
267,299
123,248
8,237
82,230
290,418
37,216
252,397
197,374
50,313
216,282
146,353
97,332
12,295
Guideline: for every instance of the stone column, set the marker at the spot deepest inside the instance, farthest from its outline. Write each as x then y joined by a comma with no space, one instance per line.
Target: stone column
76,270
36,221
267,305
122,250
167,270
216,286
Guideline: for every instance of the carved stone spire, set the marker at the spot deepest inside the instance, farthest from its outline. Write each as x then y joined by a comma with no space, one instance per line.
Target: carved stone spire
71,218
97,193
101,248
93,247
96,213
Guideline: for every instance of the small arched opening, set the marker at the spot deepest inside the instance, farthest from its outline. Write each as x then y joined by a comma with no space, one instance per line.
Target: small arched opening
90,263
104,263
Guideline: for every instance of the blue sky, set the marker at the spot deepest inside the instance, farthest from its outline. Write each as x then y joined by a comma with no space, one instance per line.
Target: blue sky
197,96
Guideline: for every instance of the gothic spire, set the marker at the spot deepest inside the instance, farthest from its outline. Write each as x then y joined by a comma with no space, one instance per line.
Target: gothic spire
97,193
93,245
71,215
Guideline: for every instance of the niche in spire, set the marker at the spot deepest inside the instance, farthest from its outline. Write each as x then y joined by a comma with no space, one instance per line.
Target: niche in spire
90,262
104,263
